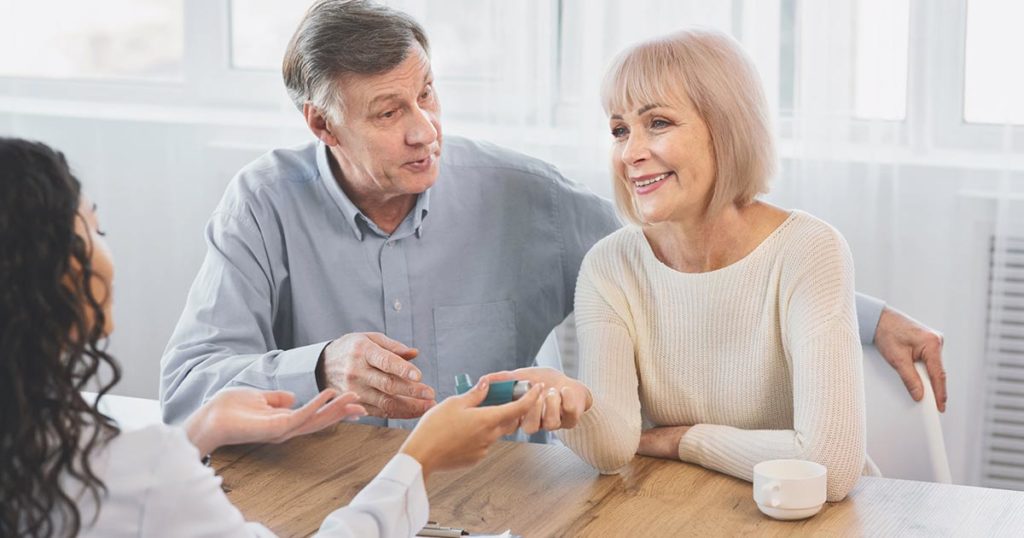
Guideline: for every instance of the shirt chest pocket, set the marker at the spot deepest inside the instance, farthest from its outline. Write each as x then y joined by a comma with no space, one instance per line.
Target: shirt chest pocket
474,339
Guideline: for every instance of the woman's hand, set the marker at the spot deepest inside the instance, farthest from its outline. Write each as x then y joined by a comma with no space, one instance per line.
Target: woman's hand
456,433
662,442
243,415
564,402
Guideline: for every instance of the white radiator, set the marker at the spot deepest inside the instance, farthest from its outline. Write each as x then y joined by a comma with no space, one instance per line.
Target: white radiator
1002,454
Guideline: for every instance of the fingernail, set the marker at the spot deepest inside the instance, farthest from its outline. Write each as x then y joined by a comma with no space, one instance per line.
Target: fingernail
425,395
552,391
414,375
482,384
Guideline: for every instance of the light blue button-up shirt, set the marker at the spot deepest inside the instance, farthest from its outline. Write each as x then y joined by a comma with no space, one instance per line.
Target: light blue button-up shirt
475,277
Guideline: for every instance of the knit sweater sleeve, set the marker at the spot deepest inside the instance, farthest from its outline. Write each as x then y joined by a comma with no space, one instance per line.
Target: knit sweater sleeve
819,326
608,434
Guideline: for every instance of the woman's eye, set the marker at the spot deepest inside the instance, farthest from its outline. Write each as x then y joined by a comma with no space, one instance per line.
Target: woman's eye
659,123
619,132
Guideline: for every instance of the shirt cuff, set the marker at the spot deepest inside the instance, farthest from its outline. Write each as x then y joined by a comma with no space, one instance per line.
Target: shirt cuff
869,310
403,469
296,371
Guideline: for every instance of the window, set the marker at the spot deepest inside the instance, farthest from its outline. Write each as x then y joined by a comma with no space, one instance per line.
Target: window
71,39
880,64
260,30
891,73
993,77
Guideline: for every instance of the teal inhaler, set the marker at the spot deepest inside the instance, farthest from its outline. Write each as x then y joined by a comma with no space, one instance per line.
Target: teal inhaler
501,392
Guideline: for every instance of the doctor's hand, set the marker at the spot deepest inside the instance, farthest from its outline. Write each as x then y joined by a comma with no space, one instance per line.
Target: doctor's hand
244,415
376,368
457,433
902,340
562,404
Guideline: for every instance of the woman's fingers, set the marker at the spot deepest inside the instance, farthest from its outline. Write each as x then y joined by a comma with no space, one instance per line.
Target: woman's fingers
552,410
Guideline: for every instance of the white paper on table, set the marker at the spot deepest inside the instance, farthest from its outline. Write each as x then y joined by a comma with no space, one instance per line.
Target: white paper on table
506,534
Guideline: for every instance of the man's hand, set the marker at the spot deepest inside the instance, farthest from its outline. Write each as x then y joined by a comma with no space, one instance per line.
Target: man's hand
456,433
902,340
243,415
376,368
561,405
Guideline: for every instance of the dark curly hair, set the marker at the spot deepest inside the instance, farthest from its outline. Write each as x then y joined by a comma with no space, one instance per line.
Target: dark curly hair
51,330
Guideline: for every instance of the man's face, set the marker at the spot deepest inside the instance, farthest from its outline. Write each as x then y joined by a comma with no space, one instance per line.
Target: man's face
389,142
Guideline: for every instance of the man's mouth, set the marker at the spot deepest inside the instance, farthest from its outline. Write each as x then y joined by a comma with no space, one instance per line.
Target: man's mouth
422,164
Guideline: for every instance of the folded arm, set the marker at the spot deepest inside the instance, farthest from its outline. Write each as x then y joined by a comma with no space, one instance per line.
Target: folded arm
821,341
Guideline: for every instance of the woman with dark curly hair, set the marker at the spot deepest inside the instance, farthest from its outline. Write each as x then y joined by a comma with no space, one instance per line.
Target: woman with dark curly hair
68,469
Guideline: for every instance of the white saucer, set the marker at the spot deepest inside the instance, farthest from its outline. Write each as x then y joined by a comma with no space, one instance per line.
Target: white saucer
787,513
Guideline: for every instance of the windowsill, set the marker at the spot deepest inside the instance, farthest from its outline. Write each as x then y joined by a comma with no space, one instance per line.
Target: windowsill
515,136
154,113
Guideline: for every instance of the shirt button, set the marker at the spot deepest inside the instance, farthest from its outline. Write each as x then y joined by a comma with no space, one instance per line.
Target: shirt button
397,305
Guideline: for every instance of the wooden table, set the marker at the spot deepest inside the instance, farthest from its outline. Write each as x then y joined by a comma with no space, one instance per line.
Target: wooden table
540,490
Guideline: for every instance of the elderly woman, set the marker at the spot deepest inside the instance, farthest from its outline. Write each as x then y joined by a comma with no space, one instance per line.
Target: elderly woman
69,470
718,329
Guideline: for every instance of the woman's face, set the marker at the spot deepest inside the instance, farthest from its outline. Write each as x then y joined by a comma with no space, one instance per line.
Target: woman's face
87,227
663,153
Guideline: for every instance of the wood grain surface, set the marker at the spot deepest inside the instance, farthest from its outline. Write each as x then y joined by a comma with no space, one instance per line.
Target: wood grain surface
543,490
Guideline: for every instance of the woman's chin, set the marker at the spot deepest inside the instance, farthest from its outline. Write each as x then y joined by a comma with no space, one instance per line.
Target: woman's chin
654,215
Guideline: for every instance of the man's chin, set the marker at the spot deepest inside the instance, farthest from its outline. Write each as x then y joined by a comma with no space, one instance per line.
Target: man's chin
419,182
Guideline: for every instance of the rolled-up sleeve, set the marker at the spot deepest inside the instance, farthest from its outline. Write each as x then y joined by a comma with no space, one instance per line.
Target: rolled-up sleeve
225,335
869,311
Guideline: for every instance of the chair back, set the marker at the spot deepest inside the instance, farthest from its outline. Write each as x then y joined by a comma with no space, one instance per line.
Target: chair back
904,437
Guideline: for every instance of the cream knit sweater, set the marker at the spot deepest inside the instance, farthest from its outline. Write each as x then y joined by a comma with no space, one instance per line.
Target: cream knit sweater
762,357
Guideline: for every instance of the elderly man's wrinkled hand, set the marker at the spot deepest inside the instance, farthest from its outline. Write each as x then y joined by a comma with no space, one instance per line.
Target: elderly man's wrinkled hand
377,369
563,403
902,340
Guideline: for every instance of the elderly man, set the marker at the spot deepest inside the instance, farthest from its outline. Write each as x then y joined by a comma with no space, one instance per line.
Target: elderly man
385,258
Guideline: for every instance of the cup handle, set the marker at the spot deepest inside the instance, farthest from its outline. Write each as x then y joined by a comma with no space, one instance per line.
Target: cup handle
771,490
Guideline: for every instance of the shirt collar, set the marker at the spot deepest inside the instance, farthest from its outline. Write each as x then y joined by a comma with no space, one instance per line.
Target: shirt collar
352,213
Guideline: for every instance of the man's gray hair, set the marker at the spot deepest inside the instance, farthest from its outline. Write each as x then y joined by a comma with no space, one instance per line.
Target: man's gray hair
341,37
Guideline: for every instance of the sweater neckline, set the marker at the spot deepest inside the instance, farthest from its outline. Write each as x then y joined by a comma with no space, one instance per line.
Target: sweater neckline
648,252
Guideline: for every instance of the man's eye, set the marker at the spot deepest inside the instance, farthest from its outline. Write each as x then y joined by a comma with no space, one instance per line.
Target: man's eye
389,114
427,92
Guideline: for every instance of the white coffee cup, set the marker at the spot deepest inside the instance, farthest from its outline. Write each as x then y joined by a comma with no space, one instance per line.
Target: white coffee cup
789,489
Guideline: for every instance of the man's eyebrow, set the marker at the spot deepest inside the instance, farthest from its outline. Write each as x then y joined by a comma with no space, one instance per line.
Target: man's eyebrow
383,97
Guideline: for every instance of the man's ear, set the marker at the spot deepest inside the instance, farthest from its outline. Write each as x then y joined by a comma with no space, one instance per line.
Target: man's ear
317,123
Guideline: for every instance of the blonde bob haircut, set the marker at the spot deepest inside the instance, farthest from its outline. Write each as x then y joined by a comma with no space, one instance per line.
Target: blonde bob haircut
714,72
